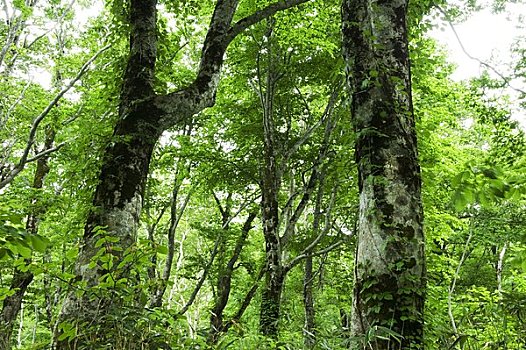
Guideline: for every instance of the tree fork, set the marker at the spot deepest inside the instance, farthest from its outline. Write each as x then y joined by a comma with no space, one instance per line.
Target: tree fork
143,116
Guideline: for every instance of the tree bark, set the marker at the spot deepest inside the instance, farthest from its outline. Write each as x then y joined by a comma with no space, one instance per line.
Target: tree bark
389,266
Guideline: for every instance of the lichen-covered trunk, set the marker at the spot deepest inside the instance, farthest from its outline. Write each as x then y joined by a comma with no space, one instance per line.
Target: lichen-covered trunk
118,197
271,294
271,299
389,266
115,215
270,185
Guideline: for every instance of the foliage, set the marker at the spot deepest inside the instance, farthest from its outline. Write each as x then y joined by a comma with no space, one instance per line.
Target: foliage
472,157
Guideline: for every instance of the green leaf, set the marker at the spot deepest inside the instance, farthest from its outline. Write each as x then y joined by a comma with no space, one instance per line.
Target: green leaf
39,243
162,250
100,242
25,252
3,253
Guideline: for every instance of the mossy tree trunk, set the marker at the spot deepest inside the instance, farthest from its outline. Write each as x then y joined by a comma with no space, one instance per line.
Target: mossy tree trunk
270,185
390,265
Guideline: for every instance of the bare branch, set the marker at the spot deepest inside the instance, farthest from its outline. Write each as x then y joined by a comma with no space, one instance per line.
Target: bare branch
300,257
326,114
45,153
245,204
34,127
505,79
246,301
327,226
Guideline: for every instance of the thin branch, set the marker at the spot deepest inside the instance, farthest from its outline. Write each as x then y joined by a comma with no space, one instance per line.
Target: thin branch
16,170
247,226
46,152
304,101
454,282
219,206
202,279
326,114
307,251
247,202
34,127
482,63
300,257
500,265
77,114
151,230
17,101
260,15
246,301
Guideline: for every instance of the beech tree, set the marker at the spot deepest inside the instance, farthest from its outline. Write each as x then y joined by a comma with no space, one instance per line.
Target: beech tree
389,281
143,116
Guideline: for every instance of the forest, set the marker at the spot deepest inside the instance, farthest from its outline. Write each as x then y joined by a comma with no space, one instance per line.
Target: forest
270,174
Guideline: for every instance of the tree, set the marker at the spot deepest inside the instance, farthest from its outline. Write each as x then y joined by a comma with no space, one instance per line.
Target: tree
389,264
193,274
143,116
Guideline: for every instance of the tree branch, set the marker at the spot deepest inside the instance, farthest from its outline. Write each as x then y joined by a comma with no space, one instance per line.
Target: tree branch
246,302
34,127
260,15
300,257
505,79
307,251
200,94
202,279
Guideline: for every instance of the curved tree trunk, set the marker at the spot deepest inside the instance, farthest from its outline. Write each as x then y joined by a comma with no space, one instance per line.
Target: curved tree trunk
390,266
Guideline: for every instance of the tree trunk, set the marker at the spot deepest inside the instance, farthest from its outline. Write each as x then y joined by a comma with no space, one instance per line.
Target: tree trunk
309,336
271,295
217,325
389,266
143,116
270,185
21,280
118,198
